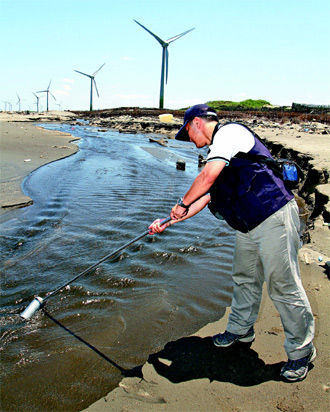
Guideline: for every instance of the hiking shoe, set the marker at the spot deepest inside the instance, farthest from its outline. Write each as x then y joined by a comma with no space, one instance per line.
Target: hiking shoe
296,370
225,339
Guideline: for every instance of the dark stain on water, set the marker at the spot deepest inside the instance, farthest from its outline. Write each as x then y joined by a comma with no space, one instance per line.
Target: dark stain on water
160,289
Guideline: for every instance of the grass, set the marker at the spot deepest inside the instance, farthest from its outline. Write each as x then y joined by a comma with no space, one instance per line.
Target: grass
248,104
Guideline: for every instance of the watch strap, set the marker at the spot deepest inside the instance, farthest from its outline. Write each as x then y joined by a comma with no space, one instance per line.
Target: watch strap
181,204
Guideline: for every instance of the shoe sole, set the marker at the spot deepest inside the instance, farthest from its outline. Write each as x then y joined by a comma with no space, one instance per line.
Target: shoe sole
312,358
247,339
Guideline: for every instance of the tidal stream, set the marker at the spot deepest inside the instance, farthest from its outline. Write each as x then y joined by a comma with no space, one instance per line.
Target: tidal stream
160,289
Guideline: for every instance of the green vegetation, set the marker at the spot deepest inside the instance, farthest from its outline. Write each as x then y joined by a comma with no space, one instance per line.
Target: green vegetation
248,104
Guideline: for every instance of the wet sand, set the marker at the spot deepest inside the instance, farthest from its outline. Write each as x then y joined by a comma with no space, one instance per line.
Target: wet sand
183,377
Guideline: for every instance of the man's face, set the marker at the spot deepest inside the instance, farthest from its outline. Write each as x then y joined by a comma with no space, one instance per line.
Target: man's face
195,132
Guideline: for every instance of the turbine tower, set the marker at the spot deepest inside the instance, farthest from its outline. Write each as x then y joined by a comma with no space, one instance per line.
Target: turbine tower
164,45
37,97
48,93
91,76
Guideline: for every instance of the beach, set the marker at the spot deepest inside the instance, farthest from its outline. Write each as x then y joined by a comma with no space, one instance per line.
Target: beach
182,377
24,147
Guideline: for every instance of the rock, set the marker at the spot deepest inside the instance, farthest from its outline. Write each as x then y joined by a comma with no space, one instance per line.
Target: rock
162,142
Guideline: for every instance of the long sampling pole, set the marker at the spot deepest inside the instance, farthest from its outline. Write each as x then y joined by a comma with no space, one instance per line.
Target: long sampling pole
39,302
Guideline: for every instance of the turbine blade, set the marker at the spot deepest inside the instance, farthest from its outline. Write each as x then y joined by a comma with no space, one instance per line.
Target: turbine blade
42,91
52,95
179,35
96,88
88,75
98,70
49,85
166,63
162,42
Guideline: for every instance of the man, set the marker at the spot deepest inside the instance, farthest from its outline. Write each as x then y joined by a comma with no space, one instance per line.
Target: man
255,202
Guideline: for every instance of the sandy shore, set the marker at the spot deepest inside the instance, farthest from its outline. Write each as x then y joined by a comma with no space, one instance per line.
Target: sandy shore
25,147
190,374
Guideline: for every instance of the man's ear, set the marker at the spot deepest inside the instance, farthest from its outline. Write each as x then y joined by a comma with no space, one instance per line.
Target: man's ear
198,122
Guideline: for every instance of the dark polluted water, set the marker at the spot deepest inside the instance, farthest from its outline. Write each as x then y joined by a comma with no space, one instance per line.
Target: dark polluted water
160,289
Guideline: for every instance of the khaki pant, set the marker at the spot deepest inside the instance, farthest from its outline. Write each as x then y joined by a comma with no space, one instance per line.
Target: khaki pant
269,253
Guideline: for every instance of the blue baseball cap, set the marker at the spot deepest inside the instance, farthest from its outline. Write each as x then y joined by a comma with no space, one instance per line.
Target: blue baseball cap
199,110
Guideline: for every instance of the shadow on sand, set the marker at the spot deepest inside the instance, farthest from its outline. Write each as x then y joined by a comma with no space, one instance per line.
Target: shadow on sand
194,358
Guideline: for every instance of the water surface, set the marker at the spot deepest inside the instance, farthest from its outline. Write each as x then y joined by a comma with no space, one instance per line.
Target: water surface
160,289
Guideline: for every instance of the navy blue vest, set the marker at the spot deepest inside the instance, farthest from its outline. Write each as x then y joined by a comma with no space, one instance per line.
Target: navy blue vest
246,192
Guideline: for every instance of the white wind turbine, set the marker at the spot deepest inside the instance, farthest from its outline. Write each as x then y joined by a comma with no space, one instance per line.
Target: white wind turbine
37,97
48,93
164,45
91,76
18,102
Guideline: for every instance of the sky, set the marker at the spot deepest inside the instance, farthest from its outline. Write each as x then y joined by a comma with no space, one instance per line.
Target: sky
275,50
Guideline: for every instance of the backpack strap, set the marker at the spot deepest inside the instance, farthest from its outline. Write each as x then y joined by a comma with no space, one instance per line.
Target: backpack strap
276,165
269,162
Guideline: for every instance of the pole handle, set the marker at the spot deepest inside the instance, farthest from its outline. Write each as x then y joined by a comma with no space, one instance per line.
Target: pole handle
167,219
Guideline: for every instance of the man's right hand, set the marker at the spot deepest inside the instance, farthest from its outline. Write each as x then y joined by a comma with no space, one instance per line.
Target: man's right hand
157,227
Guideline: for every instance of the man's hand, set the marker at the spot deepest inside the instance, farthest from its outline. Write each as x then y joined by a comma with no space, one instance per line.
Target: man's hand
158,227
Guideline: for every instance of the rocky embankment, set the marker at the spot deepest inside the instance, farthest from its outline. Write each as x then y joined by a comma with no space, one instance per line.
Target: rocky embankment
135,120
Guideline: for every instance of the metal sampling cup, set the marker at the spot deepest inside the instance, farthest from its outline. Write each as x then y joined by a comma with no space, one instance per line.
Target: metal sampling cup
30,310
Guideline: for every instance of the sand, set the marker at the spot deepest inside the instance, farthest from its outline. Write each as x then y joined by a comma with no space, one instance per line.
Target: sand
190,374
23,148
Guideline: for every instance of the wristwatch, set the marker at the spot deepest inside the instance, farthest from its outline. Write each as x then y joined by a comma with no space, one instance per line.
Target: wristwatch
181,204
